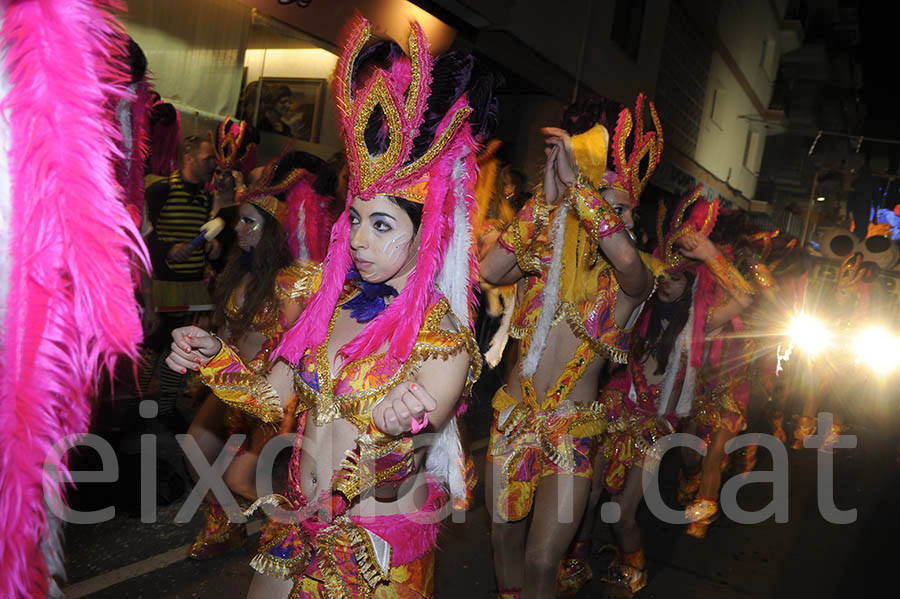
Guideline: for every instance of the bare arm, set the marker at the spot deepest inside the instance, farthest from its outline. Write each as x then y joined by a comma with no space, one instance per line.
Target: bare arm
605,228
633,276
719,316
498,266
698,247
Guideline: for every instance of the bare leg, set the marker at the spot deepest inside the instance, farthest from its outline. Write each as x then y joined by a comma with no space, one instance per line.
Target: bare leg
629,570
266,587
558,498
240,476
586,530
626,529
712,463
507,538
208,430
702,511
218,534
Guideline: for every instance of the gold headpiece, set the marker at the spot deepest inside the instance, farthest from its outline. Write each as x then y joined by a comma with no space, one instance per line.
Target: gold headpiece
401,93
649,144
702,219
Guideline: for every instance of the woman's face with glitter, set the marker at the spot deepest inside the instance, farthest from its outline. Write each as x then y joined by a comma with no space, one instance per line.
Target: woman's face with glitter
383,240
249,227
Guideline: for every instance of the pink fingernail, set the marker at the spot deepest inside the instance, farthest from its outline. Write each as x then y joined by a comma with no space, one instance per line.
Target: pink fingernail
183,371
413,386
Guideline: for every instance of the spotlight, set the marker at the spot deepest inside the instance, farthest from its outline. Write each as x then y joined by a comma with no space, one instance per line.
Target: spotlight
878,348
809,334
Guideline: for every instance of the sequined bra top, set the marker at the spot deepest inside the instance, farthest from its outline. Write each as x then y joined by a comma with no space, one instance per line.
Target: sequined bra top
359,385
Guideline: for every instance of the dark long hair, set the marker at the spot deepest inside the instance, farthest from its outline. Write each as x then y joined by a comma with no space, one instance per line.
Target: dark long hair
270,255
660,338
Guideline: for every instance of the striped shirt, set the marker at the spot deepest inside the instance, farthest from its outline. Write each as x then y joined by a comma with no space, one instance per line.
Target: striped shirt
180,220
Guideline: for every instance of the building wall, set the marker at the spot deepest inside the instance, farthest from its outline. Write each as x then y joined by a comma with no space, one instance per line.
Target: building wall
716,82
555,33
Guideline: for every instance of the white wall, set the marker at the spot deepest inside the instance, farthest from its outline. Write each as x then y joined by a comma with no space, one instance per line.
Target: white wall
723,136
194,50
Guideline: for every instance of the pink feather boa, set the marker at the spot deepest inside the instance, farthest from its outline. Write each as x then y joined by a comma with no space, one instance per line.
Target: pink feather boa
70,305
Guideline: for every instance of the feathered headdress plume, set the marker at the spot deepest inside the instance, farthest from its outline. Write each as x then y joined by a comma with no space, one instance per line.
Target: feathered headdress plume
67,303
409,125
133,118
701,219
435,167
628,175
235,145
851,272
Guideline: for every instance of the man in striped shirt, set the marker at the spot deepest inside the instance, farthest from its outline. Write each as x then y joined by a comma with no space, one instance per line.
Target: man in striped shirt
177,207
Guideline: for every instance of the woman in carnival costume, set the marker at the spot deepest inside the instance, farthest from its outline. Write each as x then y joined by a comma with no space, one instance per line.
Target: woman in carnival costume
768,249
844,306
582,283
383,348
719,411
645,401
258,297
757,255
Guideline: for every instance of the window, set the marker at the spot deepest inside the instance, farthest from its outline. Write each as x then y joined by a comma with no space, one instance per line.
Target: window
751,150
767,59
717,107
628,21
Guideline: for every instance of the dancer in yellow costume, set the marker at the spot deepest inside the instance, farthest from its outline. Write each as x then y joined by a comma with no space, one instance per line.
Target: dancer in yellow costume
582,283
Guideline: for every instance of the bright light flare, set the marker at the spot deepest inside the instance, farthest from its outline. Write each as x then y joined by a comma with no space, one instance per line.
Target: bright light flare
809,334
878,348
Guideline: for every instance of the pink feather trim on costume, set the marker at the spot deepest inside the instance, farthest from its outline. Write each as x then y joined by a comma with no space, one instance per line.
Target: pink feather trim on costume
140,125
303,199
70,306
392,326
312,325
410,535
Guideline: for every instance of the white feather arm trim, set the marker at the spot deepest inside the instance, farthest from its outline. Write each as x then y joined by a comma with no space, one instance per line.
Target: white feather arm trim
550,295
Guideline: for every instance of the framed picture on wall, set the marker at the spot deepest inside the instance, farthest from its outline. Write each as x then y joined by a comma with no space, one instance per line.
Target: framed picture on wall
287,106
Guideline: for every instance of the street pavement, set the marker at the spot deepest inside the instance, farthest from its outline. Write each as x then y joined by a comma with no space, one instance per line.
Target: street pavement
804,557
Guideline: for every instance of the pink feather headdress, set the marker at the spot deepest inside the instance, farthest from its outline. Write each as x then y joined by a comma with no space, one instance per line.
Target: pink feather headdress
295,203
67,245
133,115
693,214
442,179
627,176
